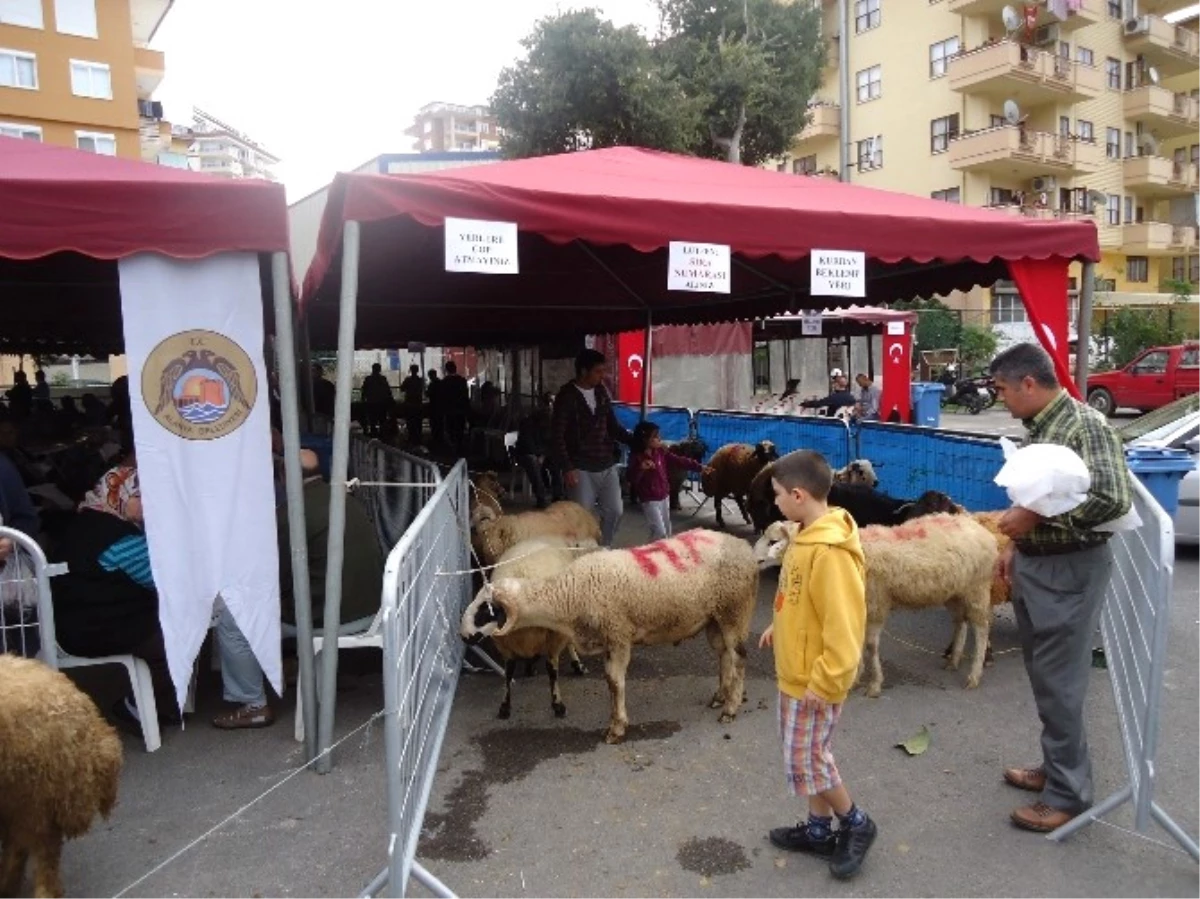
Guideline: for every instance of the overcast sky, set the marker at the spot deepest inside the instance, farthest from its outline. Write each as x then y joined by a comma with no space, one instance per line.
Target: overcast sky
328,86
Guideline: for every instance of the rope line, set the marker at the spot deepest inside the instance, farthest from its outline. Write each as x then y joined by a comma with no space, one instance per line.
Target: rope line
934,652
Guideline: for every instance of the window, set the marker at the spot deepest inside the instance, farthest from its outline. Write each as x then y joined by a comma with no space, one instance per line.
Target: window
18,69
1007,307
1112,143
103,144
941,132
870,153
1183,268
1001,196
1106,285
25,13
1196,154
1064,125
997,121
21,132
1086,130
1153,363
1085,56
870,84
781,167
805,165
939,56
77,17
1113,209
1190,358
949,195
1128,210
1137,269
866,15
1129,144
91,79
1114,9
1112,73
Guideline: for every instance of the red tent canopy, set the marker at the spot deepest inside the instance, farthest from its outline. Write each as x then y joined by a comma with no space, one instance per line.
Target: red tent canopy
594,227
65,215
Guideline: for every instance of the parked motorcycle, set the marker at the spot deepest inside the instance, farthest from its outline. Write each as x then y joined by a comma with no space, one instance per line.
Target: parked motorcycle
972,394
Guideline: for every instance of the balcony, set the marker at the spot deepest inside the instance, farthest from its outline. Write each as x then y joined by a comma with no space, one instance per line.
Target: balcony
824,123
1172,49
1157,177
149,67
1091,12
1012,151
1157,239
1161,111
1008,70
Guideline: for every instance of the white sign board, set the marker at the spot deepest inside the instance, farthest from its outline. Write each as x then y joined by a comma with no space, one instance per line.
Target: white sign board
838,273
489,248
698,267
810,323
896,328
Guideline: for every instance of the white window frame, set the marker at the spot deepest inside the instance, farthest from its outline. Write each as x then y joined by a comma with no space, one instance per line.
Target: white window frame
20,130
94,136
91,67
874,86
940,55
34,6
867,15
73,8
20,54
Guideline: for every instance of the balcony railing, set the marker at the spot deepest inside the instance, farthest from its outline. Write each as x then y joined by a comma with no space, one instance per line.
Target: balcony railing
1009,149
1169,114
1006,68
1157,238
1172,49
824,121
1158,176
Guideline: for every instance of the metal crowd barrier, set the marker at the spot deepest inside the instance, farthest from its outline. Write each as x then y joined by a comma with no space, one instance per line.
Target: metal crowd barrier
24,595
391,508
426,587
674,422
1135,622
828,436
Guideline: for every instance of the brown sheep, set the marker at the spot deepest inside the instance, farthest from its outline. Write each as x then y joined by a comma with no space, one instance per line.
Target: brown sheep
486,493
60,764
494,534
732,469
1001,591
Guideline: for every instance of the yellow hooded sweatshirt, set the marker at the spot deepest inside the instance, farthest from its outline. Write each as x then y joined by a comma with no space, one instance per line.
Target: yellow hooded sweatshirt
821,609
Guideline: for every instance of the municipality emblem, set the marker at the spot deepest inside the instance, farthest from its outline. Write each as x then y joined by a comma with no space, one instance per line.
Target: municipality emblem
199,385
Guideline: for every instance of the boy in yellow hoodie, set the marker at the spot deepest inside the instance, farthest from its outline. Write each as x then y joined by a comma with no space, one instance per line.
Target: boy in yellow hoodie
817,633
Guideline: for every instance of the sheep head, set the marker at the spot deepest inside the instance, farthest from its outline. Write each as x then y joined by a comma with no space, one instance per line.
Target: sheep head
765,452
482,519
860,471
771,546
490,613
931,502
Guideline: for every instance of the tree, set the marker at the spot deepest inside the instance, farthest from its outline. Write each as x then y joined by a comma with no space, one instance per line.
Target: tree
1132,330
977,344
584,83
751,65
938,327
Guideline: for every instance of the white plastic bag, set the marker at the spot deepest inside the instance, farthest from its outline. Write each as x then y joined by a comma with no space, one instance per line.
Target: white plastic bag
1044,477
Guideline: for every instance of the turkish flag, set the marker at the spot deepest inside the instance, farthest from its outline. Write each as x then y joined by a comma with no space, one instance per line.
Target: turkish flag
1031,16
897,377
632,366
1043,285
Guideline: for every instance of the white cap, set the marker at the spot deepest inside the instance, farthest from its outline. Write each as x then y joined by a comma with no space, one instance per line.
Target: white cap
836,373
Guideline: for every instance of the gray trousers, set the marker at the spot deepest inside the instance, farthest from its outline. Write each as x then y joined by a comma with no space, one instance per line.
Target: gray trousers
1057,600
601,488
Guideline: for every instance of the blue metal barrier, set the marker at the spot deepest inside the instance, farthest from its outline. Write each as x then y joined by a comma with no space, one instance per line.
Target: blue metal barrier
828,436
674,423
910,460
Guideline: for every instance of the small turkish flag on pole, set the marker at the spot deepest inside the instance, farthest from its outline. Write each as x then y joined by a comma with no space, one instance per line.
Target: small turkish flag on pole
895,401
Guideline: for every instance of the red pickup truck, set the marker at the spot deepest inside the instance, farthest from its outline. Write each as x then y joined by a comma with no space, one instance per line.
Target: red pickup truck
1156,377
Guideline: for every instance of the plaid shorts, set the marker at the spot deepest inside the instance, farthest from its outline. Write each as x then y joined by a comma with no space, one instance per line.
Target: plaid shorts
807,732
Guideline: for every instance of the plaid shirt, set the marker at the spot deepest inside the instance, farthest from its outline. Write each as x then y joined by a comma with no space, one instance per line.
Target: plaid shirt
1080,428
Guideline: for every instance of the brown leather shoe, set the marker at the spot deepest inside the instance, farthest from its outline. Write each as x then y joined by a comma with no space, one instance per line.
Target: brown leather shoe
1031,779
1040,817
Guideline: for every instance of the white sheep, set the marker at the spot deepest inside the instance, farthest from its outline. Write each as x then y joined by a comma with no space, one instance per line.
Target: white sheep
664,592
494,534
536,560
936,560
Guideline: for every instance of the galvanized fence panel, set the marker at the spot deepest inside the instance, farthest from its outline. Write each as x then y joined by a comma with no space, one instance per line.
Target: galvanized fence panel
828,436
395,486
24,599
910,460
674,422
1134,623
426,587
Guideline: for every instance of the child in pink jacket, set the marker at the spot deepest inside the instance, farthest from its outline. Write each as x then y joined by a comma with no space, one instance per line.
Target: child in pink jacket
648,479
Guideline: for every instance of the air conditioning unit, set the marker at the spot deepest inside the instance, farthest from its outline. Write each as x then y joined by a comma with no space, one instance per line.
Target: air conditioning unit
1045,34
1137,26
1044,184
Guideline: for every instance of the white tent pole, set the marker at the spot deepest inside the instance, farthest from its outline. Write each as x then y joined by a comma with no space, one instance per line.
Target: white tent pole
1083,327
337,492
646,363
285,360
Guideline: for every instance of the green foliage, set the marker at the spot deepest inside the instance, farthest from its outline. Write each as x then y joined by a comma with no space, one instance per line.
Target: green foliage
938,326
60,379
1132,330
728,79
1182,290
977,344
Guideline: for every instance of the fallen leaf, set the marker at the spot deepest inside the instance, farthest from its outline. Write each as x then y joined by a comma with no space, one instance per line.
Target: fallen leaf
704,882
916,744
781,863
902,848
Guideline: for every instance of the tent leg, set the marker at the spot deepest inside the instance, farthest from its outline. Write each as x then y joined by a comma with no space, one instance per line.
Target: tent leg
1083,328
646,364
305,382
285,359
337,491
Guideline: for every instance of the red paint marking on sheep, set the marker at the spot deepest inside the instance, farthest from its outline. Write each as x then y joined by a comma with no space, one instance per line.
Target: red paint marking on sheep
644,555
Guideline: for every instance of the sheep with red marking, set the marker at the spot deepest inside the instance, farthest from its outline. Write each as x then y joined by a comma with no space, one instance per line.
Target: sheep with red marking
933,561
608,602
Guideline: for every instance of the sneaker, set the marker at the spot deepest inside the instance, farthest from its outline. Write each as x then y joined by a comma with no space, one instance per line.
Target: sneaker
797,839
245,717
851,850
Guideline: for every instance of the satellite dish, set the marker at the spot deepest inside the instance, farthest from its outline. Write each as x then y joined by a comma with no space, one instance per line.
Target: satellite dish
1012,112
1096,198
1148,142
1153,73
1011,18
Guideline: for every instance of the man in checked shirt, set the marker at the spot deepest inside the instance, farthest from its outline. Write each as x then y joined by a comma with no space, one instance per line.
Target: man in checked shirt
1059,568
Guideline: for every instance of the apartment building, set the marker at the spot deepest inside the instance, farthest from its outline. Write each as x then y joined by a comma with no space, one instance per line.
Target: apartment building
1089,108
80,73
449,127
217,148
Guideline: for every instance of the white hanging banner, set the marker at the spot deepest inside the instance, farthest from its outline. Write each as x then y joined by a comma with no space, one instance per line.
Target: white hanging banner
895,328
488,248
199,397
698,267
838,273
810,323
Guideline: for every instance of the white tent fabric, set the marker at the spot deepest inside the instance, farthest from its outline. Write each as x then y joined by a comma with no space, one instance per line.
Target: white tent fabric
199,397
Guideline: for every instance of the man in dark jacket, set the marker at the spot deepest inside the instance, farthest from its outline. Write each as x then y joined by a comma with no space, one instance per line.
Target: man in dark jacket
456,396
377,397
533,443
838,397
585,436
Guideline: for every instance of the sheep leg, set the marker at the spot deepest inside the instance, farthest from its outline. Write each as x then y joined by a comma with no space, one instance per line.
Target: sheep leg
616,662
510,674
958,644
733,662
741,504
871,646
719,505
12,865
46,854
556,703
576,663
980,615
724,675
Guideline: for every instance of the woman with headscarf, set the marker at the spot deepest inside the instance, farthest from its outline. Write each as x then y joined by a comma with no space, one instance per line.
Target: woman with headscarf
106,603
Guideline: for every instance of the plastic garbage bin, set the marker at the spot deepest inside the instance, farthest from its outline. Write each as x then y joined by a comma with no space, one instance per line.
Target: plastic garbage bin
1160,471
927,403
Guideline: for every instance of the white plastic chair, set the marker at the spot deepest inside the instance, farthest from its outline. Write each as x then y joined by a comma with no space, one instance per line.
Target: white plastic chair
515,470
351,635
